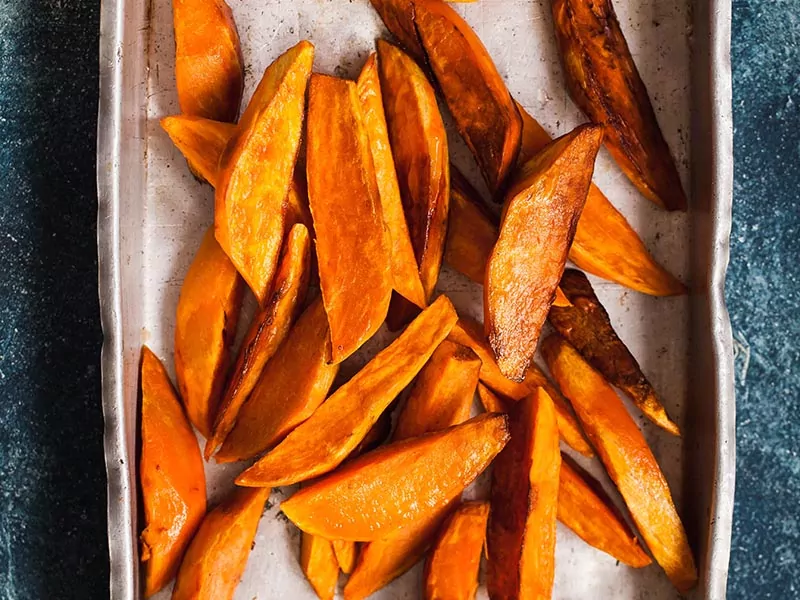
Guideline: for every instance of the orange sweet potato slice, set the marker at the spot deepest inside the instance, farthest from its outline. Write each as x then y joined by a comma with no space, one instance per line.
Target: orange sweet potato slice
587,327
353,248
208,311
368,499
171,475
451,571
586,509
521,538
542,208
201,141
319,564
398,16
627,458
209,72
257,167
491,402
291,387
321,443
345,555
405,272
267,331
217,556
604,82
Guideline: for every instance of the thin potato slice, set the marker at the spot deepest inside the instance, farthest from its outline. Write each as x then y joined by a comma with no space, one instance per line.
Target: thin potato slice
201,141
319,564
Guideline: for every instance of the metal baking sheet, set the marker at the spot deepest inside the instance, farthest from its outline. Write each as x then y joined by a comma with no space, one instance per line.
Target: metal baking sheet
152,214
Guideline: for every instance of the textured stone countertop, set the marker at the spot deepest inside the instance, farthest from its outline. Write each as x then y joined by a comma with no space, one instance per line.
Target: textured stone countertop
52,479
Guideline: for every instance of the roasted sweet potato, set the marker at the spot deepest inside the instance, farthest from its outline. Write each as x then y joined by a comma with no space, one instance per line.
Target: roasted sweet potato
398,16
353,248
627,458
291,387
208,311
209,72
318,561
321,443
385,490
257,167
217,556
604,82
201,141
345,555
171,475
543,206
587,327
405,272
491,402
451,571
521,538
584,507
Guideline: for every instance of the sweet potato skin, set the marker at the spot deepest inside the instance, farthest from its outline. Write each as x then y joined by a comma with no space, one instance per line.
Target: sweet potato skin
398,16
201,141
205,324
319,564
604,82
171,474
587,327
542,209
627,458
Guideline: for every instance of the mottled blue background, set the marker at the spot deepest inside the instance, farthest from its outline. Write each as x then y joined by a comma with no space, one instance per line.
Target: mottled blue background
52,480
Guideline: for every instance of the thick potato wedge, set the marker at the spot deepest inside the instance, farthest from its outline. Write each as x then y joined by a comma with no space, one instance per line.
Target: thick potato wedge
542,208
627,458
205,324
217,556
201,141
319,564
587,327
257,167
386,490
171,475
353,248
209,72
321,443
291,387
521,539
267,332
584,507
604,82
405,272
451,571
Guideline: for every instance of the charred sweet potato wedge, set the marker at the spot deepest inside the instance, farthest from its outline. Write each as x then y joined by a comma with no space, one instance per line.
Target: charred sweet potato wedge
322,442
267,331
542,209
353,248
319,564
201,141
291,387
205,324
451,571
586,509
587,327
521,538
217,556
604,82
257,167
368,499
627,458
171,475
405,272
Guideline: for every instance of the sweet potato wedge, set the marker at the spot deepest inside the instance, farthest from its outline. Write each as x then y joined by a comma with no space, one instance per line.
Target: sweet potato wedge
171,475
587,327
543,206
604,82
405,272
584,507
257,167
491,402
217,556
267,331
346,553
205,324
451,571
209,72
398,16
291,387
385,490
321,443
627,458
353,248
521,538
319,564
201,141
475,93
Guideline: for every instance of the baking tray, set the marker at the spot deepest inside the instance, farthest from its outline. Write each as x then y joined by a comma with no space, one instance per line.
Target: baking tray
152,214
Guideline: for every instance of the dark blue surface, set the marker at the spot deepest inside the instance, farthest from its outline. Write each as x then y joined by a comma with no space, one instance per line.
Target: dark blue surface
52,481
